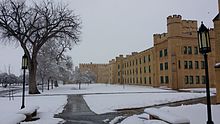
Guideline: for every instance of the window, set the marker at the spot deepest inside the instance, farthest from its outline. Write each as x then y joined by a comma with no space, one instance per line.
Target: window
145,58
196,65
149,69
133,62
165,52
197,80
161,66
186,79
136,71
179,64
118,66
145,80
203,79
149,58
185,64
166,79
141,80
189,50
190,65
161,53
185,50
202,64
145,70
195,50
166,65
136,62
149,80
140,60
161,79
140,71
191,79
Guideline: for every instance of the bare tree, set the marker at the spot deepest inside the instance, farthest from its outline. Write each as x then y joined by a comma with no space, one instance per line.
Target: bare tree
34,25
53,64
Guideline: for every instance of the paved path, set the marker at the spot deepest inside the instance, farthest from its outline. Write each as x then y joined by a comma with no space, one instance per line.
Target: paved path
77,112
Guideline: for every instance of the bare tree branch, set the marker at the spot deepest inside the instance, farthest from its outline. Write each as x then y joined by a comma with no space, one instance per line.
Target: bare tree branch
32,26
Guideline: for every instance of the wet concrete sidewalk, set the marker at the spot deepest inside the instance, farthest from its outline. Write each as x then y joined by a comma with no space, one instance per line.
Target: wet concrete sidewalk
77,112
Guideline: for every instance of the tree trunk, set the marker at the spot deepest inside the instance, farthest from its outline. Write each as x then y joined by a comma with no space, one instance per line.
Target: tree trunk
32,77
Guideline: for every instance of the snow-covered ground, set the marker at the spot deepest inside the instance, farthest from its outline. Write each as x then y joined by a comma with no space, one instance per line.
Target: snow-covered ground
195,113
212,90
102,88
109,97
110,102
49,105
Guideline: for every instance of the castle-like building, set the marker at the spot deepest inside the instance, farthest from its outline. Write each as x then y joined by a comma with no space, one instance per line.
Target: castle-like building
174,60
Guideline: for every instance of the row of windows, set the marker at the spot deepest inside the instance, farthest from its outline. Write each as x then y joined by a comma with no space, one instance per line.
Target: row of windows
146,80
163,52
135,62
194,79
164,66
130,72
189,64
188,50
164,79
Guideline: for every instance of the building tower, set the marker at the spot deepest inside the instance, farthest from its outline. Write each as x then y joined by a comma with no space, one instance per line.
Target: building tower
216,21
174,28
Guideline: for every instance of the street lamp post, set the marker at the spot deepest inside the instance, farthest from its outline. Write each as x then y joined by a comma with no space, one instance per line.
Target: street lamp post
204,48
24,66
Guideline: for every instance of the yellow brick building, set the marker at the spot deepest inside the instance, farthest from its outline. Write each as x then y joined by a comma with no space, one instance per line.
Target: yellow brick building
100,70
216,21
173,61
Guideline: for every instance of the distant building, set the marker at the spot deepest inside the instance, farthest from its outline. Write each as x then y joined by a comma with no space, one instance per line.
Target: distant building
100,70
173,62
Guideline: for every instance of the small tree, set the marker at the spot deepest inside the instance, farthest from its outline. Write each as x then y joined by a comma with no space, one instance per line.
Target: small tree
34,25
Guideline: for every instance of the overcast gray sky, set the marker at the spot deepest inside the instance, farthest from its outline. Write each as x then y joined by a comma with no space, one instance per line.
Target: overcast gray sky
113,27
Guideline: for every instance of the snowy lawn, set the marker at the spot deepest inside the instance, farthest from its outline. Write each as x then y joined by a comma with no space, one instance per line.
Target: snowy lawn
101,88
109,102
195,113
212,90
49,105
109,97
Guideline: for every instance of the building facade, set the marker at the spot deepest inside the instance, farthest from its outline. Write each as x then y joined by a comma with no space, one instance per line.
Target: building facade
100,70
173,62
216,21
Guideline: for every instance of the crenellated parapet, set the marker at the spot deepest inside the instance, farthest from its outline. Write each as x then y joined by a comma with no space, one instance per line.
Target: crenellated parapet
174,19
158,38
189,24
89,65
